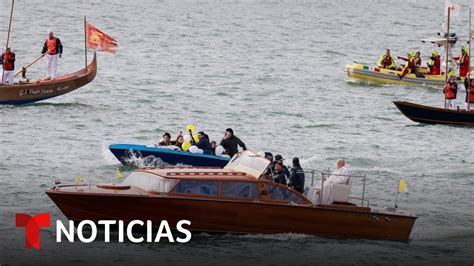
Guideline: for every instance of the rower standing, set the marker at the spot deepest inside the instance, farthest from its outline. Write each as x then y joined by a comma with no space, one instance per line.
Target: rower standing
8,61
54,49
450,92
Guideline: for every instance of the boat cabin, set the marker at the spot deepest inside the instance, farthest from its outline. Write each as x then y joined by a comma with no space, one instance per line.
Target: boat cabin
241,179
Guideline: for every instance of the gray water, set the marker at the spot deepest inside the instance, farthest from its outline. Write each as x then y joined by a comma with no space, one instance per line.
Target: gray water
271,70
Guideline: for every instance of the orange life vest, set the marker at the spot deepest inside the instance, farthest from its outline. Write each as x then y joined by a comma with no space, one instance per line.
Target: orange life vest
470,97
8,61
450,90
51,45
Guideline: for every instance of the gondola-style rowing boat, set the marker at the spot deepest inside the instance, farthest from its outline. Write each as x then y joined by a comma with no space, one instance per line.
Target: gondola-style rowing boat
38,90
434,115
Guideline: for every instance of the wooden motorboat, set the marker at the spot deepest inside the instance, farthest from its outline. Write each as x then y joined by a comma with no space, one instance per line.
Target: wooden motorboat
236,199
141,155
38,90
435,115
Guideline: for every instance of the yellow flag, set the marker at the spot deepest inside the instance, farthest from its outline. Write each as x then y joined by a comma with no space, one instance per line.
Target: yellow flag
78,180
402,186
118,174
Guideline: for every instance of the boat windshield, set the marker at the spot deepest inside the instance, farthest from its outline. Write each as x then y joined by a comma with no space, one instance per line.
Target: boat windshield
149,182
248,162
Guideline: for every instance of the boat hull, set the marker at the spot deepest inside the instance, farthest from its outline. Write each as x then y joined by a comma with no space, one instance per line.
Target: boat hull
134,155
34,91
387,76
433,115
236,216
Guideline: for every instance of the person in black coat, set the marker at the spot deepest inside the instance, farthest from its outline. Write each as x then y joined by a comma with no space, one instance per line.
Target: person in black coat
230,143
203,143
279,175
297,176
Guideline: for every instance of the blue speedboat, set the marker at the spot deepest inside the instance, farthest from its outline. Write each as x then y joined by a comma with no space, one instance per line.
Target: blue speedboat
142,156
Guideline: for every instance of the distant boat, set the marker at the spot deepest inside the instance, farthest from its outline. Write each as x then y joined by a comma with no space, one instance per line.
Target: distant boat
38,90
141,155
434,115
387,76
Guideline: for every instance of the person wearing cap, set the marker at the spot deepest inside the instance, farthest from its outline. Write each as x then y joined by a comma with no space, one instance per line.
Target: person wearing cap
54,49
387,61
297,176
230,143
203,146
450,92
434,63
279,175
278,157
410,66
7,59
463,62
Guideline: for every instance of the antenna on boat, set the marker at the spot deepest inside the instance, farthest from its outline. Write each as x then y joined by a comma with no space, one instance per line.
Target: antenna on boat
9,30
447,55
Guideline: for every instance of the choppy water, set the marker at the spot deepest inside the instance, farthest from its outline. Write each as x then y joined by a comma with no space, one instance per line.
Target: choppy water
273,71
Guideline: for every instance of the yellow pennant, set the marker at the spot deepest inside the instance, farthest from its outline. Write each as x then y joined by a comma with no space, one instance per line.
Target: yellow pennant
402,186
78,180
118,174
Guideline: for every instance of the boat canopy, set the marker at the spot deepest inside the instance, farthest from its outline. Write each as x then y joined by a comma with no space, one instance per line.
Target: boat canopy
149,182
249,163
440,41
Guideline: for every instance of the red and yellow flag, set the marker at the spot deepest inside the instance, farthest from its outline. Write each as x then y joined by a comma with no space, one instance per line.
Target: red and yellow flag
98,40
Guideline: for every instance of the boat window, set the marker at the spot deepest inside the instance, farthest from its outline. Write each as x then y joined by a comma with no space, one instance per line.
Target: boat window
239,189
249,163
196,187
279,193
148,182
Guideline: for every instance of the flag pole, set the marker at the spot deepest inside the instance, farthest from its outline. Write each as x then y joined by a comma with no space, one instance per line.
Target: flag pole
468,89
447,54
85,41
398,192
9,30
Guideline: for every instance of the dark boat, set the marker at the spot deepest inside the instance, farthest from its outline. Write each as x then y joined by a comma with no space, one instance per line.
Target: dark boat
434,115
38,90
236,199
141,155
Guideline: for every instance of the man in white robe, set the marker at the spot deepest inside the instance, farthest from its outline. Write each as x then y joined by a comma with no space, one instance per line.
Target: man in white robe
340,176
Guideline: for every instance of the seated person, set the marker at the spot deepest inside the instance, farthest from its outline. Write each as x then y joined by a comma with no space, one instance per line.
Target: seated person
387,61
166,141
279,174
340,176
179,141
410,66
203,146
434,63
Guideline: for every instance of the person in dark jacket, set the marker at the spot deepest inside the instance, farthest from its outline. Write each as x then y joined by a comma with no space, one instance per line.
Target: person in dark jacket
230,143
203,145
297,176
279,175
278,157
166,140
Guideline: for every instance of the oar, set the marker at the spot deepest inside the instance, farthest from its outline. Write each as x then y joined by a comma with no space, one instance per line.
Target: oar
30,64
